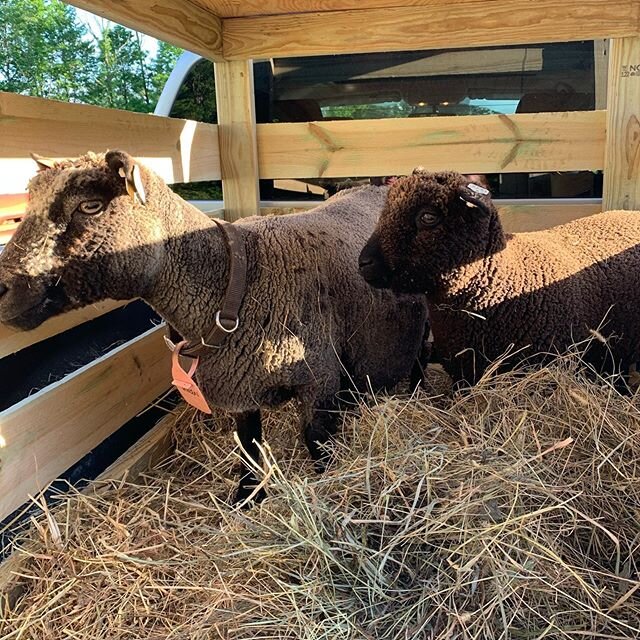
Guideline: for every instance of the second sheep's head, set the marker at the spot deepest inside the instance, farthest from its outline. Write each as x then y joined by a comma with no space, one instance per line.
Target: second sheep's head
431,224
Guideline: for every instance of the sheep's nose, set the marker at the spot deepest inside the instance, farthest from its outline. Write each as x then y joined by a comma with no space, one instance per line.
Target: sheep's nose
366,262
3,289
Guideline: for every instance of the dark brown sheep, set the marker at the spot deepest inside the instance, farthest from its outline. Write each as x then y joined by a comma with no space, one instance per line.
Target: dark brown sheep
310,327
490,292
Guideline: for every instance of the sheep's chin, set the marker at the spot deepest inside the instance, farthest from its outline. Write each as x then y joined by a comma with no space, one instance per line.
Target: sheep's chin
34,315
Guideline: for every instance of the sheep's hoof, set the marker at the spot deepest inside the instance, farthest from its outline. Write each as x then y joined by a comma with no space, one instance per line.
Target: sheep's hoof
244,491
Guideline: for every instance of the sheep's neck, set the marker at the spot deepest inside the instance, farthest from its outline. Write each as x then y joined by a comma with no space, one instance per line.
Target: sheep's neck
192,280
467,286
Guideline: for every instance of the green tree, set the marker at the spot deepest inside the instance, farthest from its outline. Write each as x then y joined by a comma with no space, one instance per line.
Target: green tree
45,51
121,81
162,66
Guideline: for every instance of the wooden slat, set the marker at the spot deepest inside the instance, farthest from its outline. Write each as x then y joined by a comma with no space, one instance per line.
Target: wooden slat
486,144
517,218
151,449
12,340
144,454
457,24
180,22
622,155
178,150
237,138
48,432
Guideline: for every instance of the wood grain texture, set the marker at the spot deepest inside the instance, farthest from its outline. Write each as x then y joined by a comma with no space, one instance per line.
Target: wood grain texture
622,155
12,340
469,144
236,8
180,22
237,138
45,434
458,24
178,150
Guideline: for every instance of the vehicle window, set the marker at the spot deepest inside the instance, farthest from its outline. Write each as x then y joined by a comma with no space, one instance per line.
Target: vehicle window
526,78
490,80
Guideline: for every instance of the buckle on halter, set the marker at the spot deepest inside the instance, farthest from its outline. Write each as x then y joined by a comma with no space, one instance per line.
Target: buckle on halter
223,328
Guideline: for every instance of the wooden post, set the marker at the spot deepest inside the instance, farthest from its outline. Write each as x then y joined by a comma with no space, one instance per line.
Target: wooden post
237,138
622,150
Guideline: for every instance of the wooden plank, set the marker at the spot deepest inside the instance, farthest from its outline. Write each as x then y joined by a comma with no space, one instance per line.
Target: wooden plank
469,144
457,24
517,217
151,449
178,150
144,454
237,138
235,8
12,340
622,154
46,433
180,22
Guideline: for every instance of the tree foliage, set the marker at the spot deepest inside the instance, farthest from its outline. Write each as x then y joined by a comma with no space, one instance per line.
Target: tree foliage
48,52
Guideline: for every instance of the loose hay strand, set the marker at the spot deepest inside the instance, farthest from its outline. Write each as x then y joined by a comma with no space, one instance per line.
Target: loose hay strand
511,511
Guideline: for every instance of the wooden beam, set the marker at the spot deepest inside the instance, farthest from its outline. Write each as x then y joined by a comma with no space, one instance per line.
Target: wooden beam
469,144
235,8
237,138
181,22
178,150
622,155
45,434
457,24
12,340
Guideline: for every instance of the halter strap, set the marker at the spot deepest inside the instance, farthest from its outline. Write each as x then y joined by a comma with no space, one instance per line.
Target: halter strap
226,319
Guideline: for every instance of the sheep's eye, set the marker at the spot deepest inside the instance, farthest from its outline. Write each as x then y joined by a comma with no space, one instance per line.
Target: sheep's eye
91,207
428,220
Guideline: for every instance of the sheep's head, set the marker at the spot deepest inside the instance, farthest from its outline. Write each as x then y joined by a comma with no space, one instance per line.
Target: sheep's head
87,236
431,224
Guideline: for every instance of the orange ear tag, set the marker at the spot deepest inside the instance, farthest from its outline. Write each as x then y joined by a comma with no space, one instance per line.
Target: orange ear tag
184,381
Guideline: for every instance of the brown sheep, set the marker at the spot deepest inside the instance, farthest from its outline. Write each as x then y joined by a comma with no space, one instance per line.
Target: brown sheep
490,292
309,326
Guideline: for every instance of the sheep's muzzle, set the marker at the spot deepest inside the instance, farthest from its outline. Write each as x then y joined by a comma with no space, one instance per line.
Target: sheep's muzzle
372,265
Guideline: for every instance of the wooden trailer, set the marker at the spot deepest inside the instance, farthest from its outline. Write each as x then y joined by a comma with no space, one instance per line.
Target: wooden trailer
46,433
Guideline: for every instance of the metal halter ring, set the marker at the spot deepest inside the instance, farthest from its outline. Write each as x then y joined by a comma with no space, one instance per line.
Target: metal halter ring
220,325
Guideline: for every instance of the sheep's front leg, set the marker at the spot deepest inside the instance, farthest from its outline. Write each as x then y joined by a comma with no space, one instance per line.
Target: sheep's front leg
249,428
319,430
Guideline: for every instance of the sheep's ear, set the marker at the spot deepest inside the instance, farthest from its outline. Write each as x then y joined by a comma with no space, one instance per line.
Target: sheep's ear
122,164
476,197
43,163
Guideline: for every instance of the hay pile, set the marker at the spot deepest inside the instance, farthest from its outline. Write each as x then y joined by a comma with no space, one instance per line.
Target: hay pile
511,512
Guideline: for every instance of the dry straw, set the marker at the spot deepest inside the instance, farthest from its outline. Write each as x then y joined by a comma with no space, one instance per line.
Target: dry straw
510,512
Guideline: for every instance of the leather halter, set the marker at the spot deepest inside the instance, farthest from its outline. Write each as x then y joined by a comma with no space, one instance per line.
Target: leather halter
226,319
